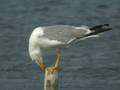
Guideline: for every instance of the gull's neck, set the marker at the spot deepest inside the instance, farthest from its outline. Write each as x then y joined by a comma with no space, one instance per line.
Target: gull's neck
35,50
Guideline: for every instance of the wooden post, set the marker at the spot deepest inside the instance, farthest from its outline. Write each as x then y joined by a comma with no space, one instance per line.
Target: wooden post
51,80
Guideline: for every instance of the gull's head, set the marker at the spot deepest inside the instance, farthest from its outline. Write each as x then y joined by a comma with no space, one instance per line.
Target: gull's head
34,47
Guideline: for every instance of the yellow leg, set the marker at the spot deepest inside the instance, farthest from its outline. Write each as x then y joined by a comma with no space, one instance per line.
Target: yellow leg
51,69
41,65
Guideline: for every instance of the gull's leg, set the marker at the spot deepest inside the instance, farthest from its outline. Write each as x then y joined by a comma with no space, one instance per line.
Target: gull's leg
51,69
58,60
41,65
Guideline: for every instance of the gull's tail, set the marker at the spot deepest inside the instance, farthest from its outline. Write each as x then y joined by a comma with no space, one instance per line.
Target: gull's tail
99,29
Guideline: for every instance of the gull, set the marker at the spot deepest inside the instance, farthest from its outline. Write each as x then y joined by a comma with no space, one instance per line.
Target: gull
59,37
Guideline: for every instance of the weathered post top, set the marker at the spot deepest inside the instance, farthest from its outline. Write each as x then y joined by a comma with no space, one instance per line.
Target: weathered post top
51,80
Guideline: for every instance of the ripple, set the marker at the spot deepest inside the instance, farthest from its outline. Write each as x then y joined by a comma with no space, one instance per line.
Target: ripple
44,9
103,6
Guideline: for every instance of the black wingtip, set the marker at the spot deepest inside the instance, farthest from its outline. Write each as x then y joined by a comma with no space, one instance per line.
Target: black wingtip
99,27
106,26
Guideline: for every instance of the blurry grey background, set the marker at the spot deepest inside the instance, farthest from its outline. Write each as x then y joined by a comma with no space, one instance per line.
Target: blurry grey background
93,64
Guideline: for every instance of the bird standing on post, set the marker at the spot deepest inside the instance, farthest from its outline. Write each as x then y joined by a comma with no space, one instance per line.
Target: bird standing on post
57,38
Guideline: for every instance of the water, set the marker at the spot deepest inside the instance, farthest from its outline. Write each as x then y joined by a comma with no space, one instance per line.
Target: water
90,65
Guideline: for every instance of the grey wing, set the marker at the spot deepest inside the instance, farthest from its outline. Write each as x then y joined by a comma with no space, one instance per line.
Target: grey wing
64,33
